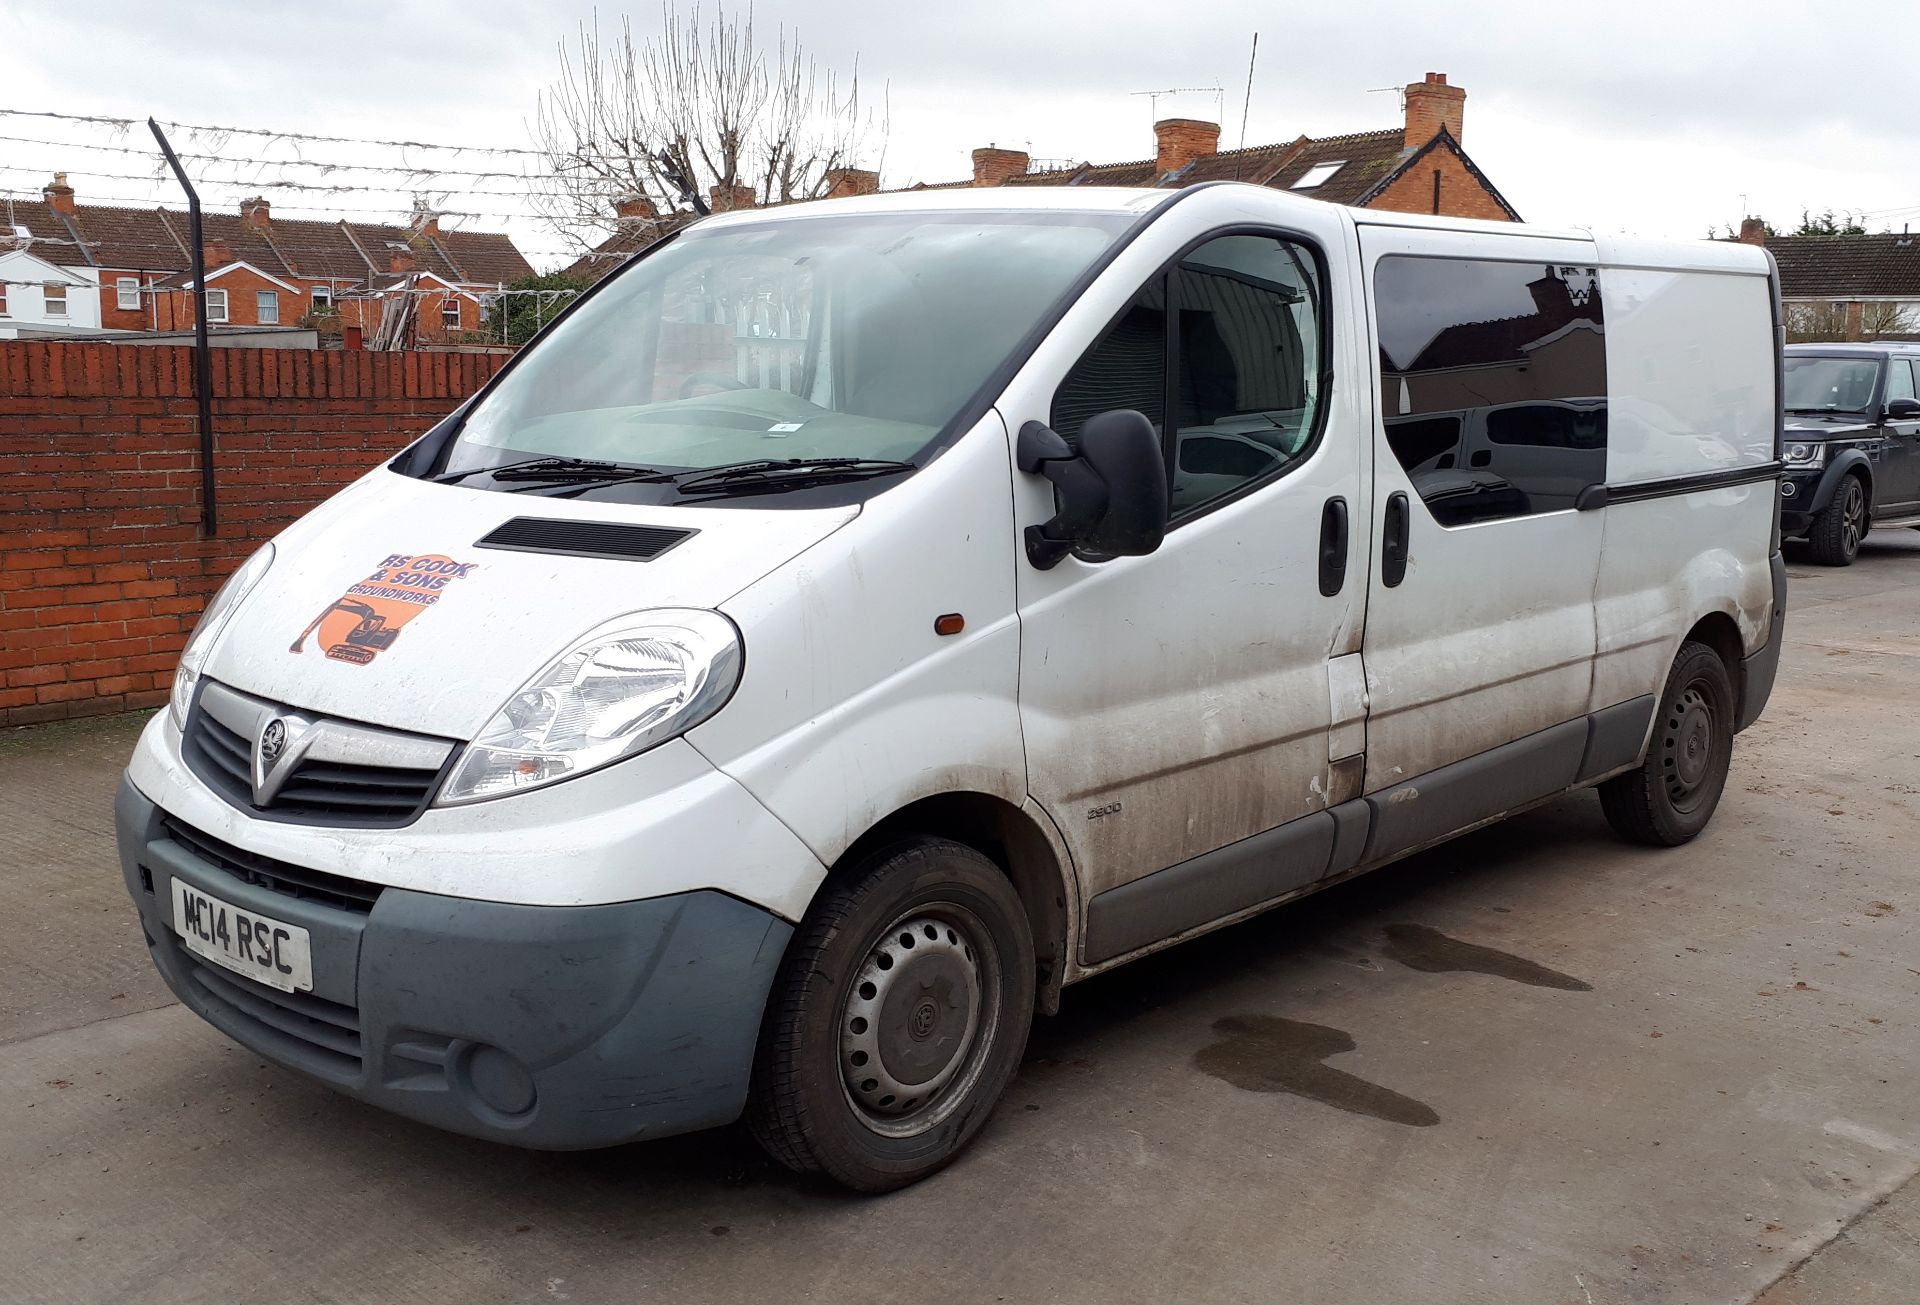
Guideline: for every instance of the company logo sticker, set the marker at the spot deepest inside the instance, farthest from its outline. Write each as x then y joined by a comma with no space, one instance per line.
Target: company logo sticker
363,622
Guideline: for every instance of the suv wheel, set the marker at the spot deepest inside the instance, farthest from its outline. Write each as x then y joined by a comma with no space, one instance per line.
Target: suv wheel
900,1013
1670,798
1836,533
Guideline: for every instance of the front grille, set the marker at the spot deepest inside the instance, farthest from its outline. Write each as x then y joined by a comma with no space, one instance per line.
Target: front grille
320,792
308,1030
276,876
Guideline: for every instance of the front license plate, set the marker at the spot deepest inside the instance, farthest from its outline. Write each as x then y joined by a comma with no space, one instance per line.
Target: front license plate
267,951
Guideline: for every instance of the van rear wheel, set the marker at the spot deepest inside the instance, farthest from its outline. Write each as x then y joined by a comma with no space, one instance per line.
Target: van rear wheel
899,1015
1672,796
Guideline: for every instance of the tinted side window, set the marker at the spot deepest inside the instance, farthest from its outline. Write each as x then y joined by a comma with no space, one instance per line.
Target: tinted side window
1494,383
1900,380
1127,368
1248,372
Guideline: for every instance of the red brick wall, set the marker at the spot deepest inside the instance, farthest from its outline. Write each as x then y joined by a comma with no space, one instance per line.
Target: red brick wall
102,568
1461,194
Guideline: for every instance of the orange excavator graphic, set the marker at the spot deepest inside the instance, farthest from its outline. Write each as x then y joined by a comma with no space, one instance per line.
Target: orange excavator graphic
365,620
372,634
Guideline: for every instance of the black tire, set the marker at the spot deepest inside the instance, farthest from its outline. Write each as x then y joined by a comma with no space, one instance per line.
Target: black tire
1672,795
1834,538
914,968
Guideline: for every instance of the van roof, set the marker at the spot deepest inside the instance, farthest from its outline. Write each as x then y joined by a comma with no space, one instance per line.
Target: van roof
1098,199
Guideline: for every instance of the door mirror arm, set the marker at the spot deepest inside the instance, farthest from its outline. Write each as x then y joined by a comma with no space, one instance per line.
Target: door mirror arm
1110,497
1080,496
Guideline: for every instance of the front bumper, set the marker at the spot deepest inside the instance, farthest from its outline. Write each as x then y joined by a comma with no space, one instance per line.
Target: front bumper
1799,488
556,1028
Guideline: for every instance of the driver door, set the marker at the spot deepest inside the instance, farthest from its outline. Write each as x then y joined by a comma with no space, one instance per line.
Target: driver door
1898,491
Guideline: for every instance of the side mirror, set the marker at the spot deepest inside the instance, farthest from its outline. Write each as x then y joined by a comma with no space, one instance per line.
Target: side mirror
1111,496
1903,409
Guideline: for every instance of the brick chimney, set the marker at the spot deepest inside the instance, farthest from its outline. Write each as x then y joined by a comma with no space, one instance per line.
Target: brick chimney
1753,231
635,208
217,252
1180,141
424,222
257,213
400,261
59,194
720,201
842,182
994,166
1431,105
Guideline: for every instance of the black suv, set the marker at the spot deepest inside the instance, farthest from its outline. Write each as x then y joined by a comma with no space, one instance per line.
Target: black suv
1852,446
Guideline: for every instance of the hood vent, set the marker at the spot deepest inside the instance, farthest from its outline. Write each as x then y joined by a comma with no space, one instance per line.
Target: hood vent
584,538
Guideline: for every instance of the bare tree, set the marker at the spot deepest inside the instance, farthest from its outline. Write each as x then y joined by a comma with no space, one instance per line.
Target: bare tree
1885,318
698,113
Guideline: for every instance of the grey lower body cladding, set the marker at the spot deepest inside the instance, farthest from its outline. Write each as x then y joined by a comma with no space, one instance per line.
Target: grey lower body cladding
557,1028
1366,831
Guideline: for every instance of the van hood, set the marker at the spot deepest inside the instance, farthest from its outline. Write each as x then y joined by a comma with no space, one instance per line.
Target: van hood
383,606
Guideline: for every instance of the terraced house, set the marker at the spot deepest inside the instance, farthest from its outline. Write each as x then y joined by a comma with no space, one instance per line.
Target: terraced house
126,269
1417,167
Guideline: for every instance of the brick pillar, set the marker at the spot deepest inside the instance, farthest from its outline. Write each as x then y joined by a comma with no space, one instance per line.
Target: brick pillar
1179,141
993,166
1431,105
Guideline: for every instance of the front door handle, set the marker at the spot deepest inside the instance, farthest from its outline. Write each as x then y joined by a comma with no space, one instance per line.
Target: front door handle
1393,544
1333,546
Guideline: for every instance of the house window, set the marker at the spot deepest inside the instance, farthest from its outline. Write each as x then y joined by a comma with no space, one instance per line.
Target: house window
323,299
1317,175
3,298
127,293
56,300
450,313
267,307
216,306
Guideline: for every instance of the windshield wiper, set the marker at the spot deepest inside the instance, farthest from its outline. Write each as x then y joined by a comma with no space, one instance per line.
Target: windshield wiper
558,470
784,473
1820,412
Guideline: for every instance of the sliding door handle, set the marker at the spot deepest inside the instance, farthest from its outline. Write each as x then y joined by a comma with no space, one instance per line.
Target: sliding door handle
1393,544
1333,546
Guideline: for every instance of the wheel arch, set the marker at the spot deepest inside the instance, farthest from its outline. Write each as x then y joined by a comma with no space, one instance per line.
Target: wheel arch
1851,462
1013,839
1720,632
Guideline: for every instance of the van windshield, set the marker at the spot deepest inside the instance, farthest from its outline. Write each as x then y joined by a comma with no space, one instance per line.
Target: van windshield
858,337
1817,384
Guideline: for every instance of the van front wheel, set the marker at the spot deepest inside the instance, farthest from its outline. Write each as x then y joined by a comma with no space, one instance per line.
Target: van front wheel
1670,798
900,1013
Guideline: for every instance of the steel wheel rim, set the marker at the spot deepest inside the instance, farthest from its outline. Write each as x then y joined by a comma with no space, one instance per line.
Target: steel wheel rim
918,1019
1853,511
1690,747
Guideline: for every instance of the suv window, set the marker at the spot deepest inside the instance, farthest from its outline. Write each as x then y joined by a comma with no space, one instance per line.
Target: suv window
1239,361
1493,383
1900,380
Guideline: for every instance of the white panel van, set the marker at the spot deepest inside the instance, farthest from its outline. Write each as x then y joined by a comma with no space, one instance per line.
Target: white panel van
851,623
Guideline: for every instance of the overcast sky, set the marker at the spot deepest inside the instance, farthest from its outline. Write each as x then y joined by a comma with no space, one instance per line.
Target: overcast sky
1652,116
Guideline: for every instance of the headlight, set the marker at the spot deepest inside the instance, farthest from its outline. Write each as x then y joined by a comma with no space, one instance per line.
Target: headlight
193,657
632,683
1806,455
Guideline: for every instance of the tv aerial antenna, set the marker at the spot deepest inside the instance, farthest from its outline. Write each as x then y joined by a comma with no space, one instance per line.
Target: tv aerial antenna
1218,93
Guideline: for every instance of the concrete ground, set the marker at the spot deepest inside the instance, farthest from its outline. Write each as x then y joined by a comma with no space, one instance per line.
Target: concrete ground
1536,1066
